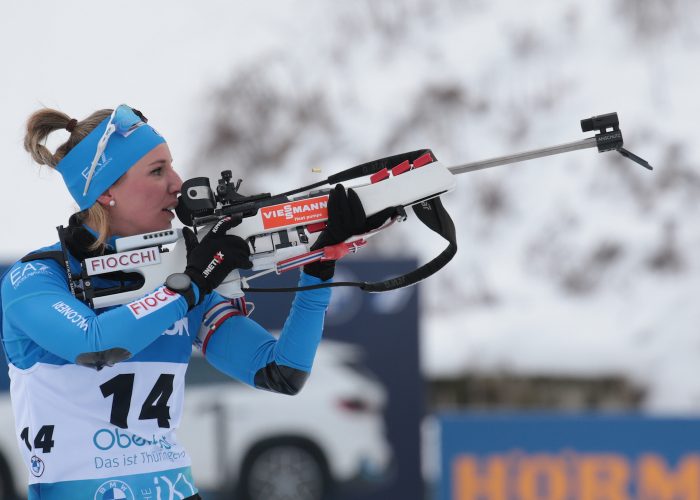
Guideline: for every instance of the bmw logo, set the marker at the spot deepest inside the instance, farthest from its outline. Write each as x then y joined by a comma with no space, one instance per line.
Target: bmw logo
114,490
36,466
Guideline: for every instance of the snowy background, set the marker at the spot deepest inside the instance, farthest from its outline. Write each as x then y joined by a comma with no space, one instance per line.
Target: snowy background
582,264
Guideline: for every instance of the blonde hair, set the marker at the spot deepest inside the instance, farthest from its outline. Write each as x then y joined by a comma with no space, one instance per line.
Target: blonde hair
39,125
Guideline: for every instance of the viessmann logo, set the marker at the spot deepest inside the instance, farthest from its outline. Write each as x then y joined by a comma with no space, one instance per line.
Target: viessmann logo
295,212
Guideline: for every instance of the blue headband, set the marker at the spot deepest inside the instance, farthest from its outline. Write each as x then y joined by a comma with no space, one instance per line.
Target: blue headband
121,140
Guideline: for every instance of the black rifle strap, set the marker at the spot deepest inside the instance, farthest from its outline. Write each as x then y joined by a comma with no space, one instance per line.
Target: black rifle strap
369,168
433,214
60,256
56,255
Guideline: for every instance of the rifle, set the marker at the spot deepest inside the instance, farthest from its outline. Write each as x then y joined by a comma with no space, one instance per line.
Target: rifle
281,229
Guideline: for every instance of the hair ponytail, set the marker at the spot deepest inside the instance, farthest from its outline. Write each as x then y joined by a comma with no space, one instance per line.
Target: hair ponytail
39,126
41,123
45,121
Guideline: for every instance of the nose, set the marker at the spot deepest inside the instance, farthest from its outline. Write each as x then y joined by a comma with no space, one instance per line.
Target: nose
175,182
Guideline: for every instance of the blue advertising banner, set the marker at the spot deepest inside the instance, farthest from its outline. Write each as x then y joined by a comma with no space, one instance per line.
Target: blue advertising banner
560,457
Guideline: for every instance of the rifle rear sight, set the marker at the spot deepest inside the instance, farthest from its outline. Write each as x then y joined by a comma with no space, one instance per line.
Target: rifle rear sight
226,192
199,204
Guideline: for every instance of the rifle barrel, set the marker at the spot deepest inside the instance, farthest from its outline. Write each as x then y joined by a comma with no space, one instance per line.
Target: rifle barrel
527,155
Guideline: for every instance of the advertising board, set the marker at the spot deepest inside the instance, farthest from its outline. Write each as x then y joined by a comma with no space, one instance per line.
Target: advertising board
572,457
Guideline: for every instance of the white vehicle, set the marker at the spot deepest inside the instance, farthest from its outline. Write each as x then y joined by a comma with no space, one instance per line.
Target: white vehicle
258,445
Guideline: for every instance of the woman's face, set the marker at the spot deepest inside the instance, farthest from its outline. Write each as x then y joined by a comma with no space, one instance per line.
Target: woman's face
144,197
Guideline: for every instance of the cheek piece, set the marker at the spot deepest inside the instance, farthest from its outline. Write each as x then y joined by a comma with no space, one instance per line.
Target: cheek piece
106,153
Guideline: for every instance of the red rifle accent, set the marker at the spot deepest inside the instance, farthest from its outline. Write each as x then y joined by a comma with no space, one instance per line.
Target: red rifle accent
402,167
379,176
423,160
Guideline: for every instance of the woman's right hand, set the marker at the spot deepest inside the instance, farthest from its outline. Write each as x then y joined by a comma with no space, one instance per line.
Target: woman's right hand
212,259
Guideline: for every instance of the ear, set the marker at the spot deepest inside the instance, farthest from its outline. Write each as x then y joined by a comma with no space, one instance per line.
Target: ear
105,198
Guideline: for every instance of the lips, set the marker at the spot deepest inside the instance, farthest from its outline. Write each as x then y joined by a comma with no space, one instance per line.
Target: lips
170,208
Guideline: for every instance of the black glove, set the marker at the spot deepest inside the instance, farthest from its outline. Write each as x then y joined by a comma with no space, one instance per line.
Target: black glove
346,218
212,259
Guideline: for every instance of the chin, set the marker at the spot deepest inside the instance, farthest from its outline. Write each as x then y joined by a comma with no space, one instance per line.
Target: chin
159,222
156,227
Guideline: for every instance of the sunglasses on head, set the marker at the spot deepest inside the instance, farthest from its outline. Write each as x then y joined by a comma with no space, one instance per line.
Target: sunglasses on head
123,121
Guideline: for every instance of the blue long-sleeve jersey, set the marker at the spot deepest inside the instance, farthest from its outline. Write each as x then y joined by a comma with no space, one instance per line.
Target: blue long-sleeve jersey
75,424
